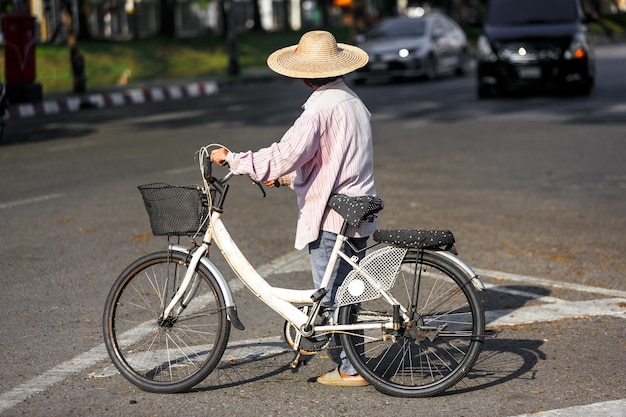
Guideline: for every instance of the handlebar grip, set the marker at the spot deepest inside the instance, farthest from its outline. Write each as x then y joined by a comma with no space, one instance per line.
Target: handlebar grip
207,167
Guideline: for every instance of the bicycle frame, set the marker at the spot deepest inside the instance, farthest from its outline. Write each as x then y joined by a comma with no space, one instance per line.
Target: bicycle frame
281,300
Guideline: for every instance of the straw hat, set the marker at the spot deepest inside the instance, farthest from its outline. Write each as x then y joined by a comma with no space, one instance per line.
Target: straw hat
317,55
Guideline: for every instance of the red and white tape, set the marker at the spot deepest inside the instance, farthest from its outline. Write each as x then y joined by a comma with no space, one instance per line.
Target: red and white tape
112,99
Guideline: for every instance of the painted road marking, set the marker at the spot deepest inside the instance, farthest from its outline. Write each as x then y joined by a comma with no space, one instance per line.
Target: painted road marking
235,352
31,200
556,311
615,408
57,374
550,283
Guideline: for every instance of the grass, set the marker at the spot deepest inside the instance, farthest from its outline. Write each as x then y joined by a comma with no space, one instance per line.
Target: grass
114,63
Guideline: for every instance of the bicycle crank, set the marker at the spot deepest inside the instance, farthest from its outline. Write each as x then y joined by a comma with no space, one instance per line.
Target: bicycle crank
308,345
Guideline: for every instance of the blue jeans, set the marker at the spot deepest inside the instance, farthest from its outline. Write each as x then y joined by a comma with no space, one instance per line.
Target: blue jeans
320,251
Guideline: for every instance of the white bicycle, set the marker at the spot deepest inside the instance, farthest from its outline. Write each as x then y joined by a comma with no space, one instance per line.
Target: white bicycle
408,314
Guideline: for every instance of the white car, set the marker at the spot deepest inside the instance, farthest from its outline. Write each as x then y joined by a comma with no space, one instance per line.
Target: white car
403,47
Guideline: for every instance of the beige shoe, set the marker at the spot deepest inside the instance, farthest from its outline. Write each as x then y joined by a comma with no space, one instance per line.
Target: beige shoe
338,378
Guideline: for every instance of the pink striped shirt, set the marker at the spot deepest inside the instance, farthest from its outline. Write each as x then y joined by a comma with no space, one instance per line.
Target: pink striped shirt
328,150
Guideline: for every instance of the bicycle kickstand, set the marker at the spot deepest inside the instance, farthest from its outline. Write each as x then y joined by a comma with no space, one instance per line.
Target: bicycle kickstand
297,362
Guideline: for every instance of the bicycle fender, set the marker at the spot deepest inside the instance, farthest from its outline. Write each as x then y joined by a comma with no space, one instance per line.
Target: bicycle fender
454,260
231,308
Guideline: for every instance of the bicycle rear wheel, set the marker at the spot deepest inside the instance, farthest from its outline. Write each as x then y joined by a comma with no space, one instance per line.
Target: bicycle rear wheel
169,355
436,348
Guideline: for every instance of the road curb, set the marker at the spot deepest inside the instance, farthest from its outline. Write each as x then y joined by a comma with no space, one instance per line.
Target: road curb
117,98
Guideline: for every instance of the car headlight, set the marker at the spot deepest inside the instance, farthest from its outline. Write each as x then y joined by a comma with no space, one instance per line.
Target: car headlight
485,52
405,52
578,49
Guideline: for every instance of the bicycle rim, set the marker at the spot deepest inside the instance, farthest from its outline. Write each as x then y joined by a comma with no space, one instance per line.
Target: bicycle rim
436,348
172,355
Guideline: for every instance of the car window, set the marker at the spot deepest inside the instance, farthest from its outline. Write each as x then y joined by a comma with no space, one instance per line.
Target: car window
397,27
446,25
449,25
438,28
517,12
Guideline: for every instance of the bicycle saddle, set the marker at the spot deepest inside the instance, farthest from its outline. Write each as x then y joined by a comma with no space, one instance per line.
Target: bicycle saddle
355,209
417,239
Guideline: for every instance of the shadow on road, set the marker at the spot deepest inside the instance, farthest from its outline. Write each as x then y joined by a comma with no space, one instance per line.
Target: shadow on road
501,361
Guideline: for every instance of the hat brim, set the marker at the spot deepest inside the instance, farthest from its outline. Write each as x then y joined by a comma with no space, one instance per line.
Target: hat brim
286,62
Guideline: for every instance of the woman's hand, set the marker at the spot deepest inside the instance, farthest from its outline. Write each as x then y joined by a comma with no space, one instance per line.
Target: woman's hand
218,156
284,180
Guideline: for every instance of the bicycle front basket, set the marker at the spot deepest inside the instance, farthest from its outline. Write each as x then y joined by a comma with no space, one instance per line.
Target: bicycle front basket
175,210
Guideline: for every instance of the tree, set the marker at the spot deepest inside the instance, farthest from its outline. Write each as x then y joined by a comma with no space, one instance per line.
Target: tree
285,15
168,25
256,15
77,60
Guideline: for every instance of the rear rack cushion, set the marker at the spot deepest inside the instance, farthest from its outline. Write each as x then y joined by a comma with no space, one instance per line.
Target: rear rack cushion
418,239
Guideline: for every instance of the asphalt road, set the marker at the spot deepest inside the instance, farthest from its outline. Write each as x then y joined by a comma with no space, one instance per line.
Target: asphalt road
534,188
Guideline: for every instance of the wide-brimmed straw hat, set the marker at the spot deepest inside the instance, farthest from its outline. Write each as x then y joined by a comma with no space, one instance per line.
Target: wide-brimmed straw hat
317,55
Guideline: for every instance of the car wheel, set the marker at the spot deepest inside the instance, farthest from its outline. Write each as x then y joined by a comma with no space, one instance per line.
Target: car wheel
430,68
585,89
463,63
485,91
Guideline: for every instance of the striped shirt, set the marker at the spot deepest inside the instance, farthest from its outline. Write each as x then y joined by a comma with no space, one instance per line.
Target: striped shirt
328,150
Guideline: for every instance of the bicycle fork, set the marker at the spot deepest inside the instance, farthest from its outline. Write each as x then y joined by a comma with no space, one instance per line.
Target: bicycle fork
191,270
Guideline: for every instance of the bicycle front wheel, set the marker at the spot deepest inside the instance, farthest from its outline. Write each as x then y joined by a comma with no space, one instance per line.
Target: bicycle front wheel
439,343
174,354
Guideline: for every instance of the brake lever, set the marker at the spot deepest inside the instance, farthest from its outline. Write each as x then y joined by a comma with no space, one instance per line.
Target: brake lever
258,184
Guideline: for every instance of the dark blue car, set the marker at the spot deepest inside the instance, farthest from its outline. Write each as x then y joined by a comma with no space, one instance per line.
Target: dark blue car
534,43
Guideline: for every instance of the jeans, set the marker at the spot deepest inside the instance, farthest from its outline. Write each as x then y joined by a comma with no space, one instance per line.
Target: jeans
320,251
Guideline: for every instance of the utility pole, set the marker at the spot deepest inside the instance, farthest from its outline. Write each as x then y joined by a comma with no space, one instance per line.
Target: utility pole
233,47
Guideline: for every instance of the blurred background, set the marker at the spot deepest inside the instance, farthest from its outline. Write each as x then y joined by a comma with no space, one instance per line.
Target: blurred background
113,42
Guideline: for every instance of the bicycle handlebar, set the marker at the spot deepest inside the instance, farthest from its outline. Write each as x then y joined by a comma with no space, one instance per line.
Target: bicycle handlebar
207,170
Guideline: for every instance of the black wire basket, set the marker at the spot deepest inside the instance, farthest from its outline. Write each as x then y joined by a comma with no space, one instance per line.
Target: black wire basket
175,210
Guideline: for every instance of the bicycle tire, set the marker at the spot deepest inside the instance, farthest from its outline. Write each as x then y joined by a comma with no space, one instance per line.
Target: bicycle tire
440,344
171,356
